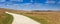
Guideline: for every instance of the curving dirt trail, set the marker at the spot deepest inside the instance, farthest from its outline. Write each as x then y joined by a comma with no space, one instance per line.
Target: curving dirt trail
20,19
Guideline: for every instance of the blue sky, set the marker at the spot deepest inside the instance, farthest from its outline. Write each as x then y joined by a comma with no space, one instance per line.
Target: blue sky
30,4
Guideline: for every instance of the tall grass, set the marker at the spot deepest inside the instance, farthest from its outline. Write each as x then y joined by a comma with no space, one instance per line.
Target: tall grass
6,19
44,17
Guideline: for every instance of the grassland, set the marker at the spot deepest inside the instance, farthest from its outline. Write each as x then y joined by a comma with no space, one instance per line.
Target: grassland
6,18
44,17
41,17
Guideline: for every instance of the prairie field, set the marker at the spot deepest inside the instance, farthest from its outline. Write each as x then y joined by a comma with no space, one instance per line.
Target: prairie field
44,17
5,18
41,17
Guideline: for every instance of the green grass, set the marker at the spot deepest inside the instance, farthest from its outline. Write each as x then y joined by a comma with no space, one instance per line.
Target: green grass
6,19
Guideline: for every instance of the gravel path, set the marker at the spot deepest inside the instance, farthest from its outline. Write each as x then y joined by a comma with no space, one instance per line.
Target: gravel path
20,19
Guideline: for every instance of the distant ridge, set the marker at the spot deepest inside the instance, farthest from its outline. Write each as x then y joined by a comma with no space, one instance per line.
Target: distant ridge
3,10
45,11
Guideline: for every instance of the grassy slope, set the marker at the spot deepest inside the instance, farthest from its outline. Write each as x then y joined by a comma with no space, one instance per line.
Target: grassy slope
44,17
5,19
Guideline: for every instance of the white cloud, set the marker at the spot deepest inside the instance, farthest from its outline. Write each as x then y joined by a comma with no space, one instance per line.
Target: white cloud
26,6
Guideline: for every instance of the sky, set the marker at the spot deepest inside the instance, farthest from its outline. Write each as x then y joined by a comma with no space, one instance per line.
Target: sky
30,4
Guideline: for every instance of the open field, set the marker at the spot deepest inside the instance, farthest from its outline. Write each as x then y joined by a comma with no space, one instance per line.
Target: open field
5,18
44,17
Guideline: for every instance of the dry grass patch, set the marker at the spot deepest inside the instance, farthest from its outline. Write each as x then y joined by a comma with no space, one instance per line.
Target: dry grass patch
44,17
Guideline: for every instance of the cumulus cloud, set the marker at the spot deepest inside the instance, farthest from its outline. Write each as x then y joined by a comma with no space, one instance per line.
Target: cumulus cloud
27,6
